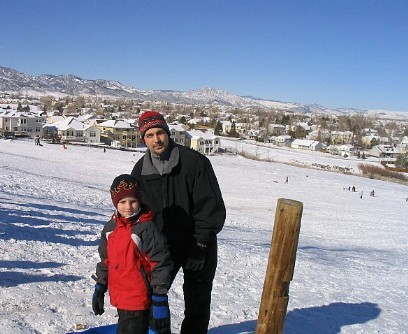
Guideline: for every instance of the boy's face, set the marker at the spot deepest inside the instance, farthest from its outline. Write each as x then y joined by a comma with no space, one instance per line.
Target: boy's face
127,206
156,140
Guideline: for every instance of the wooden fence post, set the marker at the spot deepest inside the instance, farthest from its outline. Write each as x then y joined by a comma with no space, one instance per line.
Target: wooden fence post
281,263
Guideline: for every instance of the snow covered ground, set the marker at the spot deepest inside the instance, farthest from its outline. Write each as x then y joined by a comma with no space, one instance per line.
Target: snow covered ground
352,262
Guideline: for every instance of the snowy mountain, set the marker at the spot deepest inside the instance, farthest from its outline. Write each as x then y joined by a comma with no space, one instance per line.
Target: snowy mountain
12,81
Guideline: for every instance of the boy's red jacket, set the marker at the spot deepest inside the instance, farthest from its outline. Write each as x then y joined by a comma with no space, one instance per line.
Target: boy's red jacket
135,261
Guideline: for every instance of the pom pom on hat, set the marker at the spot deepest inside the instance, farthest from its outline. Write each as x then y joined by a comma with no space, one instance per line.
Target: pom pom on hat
152,119
123,186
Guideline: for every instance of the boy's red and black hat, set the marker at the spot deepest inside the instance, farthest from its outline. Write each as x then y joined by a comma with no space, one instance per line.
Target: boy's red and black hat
123,186
152,119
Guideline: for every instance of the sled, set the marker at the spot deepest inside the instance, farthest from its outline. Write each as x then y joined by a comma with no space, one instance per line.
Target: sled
111,329
107,329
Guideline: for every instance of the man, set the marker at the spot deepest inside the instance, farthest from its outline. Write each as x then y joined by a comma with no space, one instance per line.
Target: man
180,186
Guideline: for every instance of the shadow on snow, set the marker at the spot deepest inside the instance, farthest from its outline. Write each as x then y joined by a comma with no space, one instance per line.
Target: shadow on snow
326,319
8,231
33,225
14,278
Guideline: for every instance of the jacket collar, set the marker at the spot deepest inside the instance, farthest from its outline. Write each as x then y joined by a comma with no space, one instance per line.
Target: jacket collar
173,159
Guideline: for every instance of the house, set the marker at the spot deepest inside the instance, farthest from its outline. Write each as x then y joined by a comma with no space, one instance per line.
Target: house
202,142
242,128
21,123
87,118
226,126
369,131
370,140
276,129
256,133
70,129
120,132
384,140
92,134
52,118
333,149
385,152
404,145
319,134
341,137
306,144
195,121
305,125
347,150
282,140
178,134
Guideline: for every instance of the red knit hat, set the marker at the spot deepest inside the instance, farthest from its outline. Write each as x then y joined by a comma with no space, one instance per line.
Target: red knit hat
123,186
152,119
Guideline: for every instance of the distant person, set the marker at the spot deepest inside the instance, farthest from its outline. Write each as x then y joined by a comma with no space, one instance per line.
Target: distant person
138,291
353,189
361,194
287,179
180,186
372,193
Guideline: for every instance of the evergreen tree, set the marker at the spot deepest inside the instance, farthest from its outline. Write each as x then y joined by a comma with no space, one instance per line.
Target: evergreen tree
402,161
218,128
233,132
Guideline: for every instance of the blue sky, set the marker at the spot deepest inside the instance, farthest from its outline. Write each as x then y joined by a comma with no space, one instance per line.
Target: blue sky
337,53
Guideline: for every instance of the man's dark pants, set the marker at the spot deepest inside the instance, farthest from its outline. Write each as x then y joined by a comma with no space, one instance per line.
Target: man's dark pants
197,289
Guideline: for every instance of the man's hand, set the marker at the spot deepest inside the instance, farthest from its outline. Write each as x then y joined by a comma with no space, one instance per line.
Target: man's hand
196,257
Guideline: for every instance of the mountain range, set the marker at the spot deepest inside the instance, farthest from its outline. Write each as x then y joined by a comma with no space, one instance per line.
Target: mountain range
15,82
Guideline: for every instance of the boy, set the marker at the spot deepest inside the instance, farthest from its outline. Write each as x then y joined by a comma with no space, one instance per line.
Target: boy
135,264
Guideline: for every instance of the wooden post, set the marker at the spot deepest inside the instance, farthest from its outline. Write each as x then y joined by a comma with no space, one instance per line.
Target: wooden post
281,263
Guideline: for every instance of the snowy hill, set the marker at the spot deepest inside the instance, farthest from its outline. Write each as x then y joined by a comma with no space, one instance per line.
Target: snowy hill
351,267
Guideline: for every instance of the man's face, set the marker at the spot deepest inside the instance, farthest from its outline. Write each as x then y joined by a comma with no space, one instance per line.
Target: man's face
156,140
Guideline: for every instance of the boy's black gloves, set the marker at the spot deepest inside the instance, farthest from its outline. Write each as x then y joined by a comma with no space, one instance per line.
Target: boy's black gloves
196,257
98,298
159,314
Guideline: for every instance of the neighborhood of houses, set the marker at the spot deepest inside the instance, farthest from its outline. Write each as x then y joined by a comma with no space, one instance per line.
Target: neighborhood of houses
118,133
123,133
